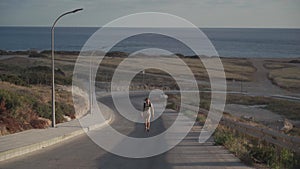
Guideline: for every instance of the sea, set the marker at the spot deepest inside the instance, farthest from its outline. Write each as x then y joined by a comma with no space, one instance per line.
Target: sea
228,42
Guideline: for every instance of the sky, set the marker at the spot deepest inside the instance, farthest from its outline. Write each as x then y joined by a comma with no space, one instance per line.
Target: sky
202,13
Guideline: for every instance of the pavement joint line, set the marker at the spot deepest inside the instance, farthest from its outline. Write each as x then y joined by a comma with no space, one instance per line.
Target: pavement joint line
5,155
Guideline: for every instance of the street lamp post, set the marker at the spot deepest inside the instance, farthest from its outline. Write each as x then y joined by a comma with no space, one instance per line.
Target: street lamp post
143,72
90,86
52,54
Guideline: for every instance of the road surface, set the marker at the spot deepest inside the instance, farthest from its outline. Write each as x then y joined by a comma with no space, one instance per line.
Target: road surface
81,152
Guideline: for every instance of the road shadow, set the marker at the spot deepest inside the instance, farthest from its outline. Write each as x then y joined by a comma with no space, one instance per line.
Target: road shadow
137,130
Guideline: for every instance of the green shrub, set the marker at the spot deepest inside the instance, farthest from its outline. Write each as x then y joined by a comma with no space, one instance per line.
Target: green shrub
205,104
223,137
43,75
201,118
37,55
65,109
287,159
263,154
14,79
251,150
272,156
13,102
9,99
43,110
171,105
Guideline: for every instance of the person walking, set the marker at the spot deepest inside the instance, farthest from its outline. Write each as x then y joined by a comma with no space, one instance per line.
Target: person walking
148,110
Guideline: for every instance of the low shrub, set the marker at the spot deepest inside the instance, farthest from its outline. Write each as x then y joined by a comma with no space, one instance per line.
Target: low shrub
14,79
20,110
65,109
43,75
251,150
9,100
37,55
223,137
43,110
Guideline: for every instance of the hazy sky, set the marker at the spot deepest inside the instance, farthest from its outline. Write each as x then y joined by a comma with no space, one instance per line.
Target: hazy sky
203,13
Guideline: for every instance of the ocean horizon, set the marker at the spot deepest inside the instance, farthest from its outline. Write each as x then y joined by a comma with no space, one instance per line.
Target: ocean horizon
229,42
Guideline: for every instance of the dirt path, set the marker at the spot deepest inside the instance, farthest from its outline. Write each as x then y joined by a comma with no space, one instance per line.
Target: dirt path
260,85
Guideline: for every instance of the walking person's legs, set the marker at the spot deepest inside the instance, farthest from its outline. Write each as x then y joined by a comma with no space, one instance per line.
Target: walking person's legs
146,124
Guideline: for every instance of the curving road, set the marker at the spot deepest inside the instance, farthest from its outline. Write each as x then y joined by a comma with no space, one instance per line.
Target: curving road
81,153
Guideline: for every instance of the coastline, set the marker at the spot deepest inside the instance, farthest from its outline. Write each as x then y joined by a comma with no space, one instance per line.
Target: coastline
124,54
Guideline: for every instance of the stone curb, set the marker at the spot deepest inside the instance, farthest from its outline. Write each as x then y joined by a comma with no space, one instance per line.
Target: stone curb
37,146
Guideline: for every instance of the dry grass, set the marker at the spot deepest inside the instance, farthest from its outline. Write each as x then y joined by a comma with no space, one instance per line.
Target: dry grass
111,62
238,69
235,69
275,65
285,77
41,92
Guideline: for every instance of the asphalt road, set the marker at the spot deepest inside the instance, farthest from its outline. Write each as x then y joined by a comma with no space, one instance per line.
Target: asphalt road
82,152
